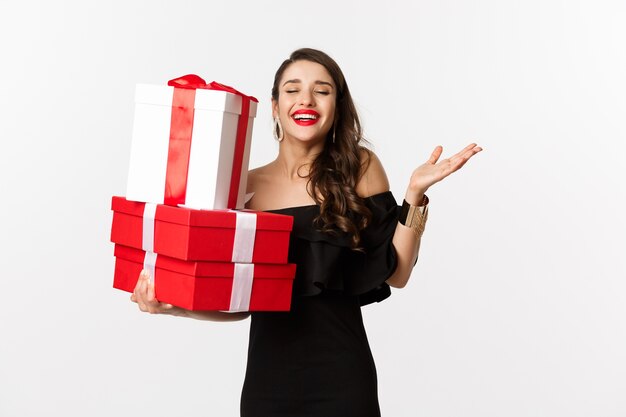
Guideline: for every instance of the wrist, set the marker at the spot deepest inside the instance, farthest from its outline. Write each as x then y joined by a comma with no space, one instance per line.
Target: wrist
417,198
177,312
414,216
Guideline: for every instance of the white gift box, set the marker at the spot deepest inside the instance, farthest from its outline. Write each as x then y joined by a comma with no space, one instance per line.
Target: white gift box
211,157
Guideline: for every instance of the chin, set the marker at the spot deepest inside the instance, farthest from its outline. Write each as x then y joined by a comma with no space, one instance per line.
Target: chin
308,137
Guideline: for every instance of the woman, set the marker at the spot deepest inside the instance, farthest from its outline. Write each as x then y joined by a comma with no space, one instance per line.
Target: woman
349,242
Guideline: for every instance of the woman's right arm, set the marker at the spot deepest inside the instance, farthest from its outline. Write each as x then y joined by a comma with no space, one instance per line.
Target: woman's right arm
144,297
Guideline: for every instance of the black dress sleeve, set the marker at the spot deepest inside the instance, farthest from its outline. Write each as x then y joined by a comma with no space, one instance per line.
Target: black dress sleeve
327,262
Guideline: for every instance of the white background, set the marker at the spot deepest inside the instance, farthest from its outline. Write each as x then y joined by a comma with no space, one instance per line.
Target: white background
517,306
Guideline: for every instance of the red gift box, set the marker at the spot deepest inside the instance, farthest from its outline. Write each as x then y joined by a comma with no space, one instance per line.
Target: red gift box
200,235
208,285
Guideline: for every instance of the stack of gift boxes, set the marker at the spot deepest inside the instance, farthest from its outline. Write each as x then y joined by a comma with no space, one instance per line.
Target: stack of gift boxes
182,218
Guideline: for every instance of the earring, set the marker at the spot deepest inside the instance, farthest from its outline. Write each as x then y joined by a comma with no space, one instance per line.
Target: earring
334,129
277,130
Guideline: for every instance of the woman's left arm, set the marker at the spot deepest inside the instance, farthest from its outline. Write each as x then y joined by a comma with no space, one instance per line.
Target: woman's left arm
406,240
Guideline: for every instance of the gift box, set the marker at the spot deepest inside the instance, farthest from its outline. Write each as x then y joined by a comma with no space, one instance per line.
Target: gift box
190,144
202,235
219,286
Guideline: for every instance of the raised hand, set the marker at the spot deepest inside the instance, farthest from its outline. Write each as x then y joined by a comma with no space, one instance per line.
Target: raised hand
434,170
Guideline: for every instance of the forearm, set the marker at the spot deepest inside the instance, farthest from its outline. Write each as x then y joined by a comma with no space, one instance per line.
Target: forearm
208,315
406,242
407,249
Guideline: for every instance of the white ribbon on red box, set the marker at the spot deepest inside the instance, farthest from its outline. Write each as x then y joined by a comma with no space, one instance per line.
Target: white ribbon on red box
147,239
245,233
242,288
243,248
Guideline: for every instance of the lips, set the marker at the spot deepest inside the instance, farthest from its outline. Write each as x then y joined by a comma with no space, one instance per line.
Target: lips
305,117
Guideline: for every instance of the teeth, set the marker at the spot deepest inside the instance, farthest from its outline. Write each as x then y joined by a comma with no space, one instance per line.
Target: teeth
305,116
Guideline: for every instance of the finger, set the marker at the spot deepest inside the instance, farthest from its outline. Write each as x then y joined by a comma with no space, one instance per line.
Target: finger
153,305
470,152
141,291
462,160
463,151
140,279
145,275
137,284
434,157
141,304
150,292
161,308
148,298
467,152
135,297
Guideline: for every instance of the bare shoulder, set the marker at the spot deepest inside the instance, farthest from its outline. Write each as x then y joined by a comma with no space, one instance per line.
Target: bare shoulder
256,177
257,183
373,176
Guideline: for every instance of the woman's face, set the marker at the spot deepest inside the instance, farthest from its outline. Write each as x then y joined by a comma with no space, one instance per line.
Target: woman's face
306,102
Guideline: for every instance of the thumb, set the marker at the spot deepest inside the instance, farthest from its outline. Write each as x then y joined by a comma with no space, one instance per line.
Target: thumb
434,157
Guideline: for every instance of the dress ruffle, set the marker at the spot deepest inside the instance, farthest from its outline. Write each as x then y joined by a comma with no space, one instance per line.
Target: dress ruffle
326,263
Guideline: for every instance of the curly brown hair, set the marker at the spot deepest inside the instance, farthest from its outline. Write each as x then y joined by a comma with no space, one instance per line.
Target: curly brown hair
335,172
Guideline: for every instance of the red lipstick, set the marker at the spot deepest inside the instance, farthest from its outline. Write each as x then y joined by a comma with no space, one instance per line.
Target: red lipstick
305,117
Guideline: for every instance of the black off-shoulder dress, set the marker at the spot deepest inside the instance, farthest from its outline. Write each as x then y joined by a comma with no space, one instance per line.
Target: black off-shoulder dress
315,360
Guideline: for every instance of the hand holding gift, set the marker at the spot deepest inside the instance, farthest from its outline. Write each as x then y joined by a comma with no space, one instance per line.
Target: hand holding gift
143,295
244,268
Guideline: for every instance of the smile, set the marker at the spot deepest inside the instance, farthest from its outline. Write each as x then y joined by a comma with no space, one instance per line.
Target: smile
305,117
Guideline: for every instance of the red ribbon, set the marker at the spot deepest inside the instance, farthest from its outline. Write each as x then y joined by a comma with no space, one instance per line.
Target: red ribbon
180,137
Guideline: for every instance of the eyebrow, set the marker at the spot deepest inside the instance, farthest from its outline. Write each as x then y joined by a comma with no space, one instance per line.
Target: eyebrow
297,81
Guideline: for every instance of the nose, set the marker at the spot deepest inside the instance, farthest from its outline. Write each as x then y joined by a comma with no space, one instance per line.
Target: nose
306,98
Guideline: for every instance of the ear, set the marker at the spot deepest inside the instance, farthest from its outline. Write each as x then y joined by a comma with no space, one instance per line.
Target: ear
274,108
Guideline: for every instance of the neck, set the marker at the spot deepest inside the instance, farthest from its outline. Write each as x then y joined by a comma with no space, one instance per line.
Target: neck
294,161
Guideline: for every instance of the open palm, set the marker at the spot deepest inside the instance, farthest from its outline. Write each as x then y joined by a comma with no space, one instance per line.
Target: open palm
434,170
